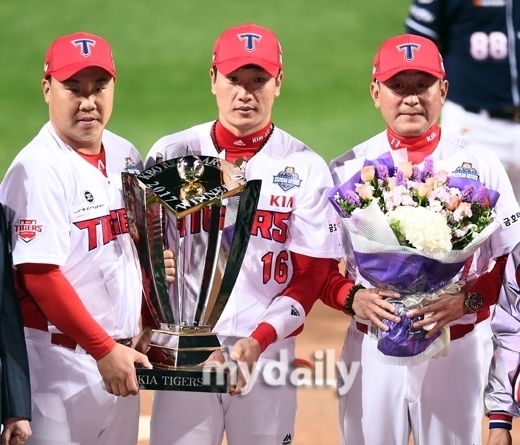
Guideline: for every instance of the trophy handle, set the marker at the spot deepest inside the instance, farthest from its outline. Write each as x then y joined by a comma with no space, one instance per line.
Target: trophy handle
245,217
146,226
210,263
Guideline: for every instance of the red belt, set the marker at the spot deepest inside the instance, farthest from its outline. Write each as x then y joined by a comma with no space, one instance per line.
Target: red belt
456,331
67,342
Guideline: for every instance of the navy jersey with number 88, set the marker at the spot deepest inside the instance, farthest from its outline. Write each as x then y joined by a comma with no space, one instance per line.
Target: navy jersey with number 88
479,41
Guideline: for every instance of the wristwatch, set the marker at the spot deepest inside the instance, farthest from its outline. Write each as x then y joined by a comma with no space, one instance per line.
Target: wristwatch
473,302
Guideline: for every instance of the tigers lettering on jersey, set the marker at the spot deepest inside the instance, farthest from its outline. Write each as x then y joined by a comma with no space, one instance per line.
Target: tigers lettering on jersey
28,229
111,225
267,224
271,225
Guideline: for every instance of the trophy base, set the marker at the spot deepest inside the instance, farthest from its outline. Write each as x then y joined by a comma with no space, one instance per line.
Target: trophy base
189,378
182,347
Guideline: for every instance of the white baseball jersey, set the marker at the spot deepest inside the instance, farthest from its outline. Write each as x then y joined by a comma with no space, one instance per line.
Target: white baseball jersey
293,214
502,391
426,399
64,211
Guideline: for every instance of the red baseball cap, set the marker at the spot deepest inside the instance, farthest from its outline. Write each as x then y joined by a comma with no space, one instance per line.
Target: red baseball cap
71,53
247,45
407,52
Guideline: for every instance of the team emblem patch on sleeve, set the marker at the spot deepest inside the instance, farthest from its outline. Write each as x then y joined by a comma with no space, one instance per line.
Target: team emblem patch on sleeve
287,179
466,170
27,229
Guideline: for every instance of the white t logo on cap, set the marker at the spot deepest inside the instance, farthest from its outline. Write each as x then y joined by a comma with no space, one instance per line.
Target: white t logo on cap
250,39
85,45
408,49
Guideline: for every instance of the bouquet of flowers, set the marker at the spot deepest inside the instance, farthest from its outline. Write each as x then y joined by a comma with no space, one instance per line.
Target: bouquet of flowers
412,230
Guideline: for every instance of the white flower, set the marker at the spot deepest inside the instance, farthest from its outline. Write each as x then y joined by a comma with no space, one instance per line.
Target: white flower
424,229
398,196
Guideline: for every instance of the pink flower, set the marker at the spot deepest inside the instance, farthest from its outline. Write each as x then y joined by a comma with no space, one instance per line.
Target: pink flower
486,202
453,202
463,210
364,191
407,168
464,207
368,173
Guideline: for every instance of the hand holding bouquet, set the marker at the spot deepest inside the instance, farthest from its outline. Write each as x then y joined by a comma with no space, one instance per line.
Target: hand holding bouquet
411,230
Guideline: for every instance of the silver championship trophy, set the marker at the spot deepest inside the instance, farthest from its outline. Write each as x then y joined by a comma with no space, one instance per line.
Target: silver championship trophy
202,208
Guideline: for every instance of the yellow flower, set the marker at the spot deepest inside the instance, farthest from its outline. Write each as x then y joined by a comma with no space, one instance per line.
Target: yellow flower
423,190
368,173
407,168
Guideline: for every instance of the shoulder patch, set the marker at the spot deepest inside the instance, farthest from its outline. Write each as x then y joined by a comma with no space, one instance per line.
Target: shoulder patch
27,230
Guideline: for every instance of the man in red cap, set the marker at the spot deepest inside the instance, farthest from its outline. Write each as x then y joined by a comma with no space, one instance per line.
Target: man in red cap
78,277
437,400
292,242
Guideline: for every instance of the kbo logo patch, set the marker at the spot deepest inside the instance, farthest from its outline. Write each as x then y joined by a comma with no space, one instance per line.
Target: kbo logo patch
28,229
287,179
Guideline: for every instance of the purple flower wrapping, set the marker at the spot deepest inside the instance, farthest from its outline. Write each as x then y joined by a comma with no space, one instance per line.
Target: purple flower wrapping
408,275
469,187
376,258
402,340
405,273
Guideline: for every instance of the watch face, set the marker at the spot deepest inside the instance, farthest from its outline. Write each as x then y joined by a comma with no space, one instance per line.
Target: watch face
474,302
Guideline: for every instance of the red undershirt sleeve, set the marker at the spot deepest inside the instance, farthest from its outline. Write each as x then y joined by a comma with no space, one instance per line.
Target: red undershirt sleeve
308,280
264,334
488,285
336,288
59,302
